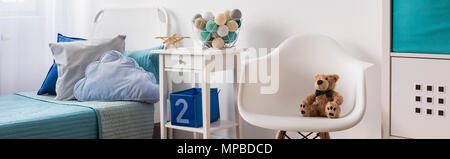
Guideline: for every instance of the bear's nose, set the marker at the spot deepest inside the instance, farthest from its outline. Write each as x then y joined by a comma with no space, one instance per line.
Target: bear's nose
319,82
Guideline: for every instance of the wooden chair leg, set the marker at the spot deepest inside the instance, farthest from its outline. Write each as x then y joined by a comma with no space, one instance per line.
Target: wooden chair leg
324,135
280,134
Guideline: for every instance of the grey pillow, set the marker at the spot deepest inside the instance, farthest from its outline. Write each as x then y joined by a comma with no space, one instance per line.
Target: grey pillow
73,58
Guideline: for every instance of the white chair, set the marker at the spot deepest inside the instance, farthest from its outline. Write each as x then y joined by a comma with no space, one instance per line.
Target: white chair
300,58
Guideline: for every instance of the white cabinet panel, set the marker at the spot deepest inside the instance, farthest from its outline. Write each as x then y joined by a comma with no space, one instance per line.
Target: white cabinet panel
419,106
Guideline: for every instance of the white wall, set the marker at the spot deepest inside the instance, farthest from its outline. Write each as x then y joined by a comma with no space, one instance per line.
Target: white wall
24,54
355,23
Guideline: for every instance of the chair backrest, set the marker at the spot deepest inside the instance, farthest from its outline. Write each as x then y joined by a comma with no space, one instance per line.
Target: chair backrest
300,59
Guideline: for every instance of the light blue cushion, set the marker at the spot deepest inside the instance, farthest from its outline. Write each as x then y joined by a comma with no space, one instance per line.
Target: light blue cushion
116,77
147,60
49,84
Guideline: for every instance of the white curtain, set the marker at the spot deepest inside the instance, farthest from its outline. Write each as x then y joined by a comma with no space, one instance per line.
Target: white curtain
26,28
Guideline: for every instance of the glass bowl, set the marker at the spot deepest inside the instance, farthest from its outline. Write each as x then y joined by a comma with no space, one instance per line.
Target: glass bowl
229,40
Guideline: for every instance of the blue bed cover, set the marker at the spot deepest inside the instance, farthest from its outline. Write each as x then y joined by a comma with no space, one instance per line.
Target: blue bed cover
22,117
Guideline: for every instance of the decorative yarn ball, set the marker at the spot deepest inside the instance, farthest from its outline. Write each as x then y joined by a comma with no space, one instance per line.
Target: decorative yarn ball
205,35
200,23
208,16
239,23
236,14
222,30
211,26
227,14
230,37
195,17
232,25
221,19
218,43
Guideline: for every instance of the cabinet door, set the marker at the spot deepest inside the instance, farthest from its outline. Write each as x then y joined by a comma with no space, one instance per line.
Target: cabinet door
421,26
419,98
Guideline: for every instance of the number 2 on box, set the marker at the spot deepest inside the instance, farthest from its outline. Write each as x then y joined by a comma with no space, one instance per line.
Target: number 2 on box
180,115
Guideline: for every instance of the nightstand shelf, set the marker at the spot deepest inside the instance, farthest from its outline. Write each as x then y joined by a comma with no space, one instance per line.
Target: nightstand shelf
214,126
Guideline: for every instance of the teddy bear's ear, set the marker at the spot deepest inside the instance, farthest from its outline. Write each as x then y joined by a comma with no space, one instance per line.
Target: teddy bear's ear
335,76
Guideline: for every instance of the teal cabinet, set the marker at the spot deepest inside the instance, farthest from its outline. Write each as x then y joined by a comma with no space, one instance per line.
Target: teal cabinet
421,26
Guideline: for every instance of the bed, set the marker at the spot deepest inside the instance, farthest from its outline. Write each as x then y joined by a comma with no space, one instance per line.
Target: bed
25,115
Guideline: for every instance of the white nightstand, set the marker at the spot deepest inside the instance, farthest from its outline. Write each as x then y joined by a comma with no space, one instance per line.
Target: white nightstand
201,61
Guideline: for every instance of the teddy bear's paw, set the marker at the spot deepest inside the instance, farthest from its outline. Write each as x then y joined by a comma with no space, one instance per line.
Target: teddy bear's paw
304,109
332,110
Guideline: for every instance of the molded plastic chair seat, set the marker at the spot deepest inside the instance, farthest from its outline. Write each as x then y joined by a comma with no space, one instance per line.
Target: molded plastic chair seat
300,58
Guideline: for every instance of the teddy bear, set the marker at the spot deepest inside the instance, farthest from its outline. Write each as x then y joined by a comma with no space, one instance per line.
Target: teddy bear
324,102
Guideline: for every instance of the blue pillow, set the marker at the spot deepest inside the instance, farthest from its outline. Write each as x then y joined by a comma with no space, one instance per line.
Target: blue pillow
115,77
48,86
147,60
62,38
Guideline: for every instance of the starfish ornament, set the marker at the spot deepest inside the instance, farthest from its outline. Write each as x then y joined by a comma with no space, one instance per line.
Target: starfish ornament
171,40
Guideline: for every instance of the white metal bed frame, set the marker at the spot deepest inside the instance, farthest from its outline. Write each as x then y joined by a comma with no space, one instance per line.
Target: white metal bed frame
112,21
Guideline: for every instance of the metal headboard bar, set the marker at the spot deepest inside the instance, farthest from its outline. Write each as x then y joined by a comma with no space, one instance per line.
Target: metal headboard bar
162,16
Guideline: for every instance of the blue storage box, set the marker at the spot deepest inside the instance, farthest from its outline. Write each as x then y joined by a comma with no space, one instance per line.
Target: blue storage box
186,107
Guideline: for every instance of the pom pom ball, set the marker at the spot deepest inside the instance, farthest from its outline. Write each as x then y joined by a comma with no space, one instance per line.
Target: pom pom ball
195,17
218,43
222,31
208,16
211,26
227,14
221,19
236,14
232,25
230,37
239,23
200,23
205,35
